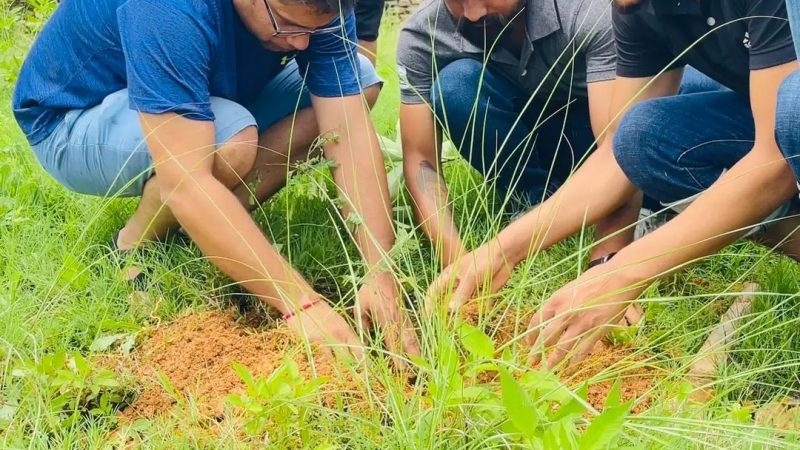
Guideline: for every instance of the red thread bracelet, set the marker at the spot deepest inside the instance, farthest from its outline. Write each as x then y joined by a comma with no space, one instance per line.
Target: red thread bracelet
304,307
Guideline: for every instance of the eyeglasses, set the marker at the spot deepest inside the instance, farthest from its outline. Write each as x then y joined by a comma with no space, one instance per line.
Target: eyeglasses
295,31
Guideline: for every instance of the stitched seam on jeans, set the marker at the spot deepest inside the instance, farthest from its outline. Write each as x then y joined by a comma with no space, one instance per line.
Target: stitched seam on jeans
685,152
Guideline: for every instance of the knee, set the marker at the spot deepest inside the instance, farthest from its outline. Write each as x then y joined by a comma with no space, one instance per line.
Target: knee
787,131
631,140
371,94
369,76
455,89
637,143
236,158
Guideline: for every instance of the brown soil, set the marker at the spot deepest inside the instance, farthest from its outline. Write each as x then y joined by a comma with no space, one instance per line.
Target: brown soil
608,363
195,354
196,351
604,365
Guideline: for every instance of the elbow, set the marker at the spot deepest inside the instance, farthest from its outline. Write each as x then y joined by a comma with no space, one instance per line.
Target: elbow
786,183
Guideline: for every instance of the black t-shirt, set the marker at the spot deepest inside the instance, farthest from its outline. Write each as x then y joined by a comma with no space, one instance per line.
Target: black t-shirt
724,39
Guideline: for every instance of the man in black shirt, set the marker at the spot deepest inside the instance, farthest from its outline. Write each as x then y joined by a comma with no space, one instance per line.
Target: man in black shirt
711,155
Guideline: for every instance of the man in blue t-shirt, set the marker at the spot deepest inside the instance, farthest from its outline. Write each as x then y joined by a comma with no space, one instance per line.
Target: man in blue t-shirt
196,106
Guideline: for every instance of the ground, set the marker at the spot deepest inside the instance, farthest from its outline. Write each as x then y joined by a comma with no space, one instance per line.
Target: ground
90,361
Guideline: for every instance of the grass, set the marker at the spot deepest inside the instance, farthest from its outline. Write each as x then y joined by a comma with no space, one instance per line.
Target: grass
59,292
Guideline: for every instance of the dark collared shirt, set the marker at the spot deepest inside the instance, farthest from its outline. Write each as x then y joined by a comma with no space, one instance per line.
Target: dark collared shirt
567,44
724,39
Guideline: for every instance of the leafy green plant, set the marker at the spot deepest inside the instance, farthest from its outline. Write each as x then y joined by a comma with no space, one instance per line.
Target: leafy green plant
278,403
71,386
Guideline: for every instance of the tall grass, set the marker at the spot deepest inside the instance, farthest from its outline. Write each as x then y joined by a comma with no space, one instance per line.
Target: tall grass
59,291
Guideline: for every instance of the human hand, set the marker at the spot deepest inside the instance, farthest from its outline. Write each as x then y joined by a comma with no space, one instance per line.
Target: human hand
379,305
321,324
573,319
486,266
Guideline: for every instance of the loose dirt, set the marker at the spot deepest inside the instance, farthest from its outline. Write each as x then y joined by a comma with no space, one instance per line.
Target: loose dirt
195,354
601,369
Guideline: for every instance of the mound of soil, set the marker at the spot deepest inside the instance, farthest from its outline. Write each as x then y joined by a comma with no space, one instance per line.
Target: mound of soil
608,363
195,354
601,369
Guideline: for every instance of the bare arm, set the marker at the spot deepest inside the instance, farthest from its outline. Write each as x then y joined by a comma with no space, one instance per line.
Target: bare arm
754,187
596,190
614,232
422,143
360,175
361,178
183,154
760,182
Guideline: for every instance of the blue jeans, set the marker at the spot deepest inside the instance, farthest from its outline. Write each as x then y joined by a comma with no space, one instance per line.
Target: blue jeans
793,10
513,146
673,148
787,126
787,121
101,150
543,143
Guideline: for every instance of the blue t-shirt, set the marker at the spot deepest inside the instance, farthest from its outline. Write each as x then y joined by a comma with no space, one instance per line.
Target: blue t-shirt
172,55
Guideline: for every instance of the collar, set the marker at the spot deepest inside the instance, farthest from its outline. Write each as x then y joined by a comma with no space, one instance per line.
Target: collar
542,18
675,7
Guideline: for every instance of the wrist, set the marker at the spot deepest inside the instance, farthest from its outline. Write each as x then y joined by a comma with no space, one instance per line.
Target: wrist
628,273
300,309
512,246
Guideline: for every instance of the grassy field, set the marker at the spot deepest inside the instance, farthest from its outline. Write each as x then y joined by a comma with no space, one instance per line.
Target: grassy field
65,312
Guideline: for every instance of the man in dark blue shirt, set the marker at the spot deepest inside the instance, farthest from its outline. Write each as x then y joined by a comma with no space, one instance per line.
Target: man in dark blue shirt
182,102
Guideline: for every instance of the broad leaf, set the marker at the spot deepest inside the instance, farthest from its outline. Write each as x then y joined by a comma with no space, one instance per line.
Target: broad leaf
605,428
518,406
614,398
103,343
475,341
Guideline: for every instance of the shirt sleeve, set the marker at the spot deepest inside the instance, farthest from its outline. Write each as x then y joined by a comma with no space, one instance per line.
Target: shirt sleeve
415,67
594,33
167,56
638,55
330,63
770,34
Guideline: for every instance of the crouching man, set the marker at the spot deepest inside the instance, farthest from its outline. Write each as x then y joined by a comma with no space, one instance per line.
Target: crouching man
177,101
521,87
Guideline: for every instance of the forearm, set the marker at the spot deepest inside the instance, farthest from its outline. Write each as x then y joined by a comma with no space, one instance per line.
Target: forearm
361,179
597,189
430,203
759,184
225,233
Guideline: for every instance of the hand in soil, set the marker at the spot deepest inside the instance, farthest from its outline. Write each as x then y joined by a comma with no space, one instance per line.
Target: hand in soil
481,268
379,305
568,325
320,324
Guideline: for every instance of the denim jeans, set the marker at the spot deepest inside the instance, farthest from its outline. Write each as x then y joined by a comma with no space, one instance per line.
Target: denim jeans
673,148
543,143
513,146
793,9
787,127
787,121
